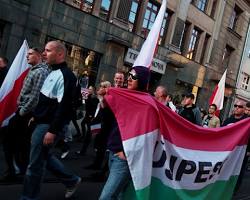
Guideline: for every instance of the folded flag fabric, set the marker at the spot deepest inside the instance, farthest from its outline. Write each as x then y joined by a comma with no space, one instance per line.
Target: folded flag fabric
171,158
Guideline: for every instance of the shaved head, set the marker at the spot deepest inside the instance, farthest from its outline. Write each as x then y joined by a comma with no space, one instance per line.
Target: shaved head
54,52
59,46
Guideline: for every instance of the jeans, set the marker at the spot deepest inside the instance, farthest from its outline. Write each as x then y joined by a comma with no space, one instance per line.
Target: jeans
119,177
40,159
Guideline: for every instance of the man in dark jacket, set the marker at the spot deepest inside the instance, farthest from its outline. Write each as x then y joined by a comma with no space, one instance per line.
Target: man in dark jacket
53,112
189,111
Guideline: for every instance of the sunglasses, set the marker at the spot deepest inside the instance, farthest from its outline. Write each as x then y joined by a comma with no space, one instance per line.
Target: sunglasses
132,76
239,106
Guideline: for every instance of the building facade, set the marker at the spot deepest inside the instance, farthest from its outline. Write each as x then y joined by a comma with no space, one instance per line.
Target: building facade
243,80
199,39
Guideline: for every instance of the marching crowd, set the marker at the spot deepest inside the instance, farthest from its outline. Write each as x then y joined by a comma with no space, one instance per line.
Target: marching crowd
49,101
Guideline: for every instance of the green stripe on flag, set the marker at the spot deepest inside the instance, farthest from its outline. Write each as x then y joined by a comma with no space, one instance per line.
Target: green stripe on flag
158,191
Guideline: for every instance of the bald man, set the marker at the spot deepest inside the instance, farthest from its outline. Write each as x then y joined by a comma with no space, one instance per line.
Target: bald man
53,112
238,113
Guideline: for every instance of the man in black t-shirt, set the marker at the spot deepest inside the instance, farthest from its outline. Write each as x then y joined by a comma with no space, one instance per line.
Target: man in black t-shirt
238,114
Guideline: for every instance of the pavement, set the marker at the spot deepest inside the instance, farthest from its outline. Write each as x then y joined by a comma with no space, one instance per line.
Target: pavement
51,188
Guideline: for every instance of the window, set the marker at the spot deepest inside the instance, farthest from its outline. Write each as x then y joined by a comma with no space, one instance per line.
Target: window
226,56
245,81
164,27
204,49
105,8
132,13
201,5
235,17
184,37
214,5
149,19
85,5
193,44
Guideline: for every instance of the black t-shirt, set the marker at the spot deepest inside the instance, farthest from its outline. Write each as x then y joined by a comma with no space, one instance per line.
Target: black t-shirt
188,114
232,120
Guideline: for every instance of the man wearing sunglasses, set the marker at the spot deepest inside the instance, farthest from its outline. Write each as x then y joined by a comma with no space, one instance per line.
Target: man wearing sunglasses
238,113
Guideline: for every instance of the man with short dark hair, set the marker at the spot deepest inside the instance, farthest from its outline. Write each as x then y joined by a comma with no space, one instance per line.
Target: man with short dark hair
211,120
17,138
53,112
189,111
3,69
247,109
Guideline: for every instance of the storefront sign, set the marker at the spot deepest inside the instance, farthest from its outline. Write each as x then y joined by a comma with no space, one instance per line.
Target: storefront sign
157,65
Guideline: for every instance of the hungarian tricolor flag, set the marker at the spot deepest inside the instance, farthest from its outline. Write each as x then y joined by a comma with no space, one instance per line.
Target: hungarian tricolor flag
171,158
12,84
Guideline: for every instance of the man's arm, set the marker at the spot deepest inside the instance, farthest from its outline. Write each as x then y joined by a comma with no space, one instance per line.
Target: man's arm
34,82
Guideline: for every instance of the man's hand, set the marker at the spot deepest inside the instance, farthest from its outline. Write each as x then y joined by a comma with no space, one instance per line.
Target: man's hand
32,119
49,138
121,155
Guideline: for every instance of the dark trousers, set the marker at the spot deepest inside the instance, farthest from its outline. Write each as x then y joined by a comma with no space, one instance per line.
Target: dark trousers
16,143
242,173
86,133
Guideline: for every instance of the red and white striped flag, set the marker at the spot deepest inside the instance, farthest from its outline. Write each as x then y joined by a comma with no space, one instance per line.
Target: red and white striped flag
147,52
217,97
12,84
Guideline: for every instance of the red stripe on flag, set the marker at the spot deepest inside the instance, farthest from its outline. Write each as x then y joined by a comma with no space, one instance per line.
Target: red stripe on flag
138,114
125,102
183,133
9,103
213,95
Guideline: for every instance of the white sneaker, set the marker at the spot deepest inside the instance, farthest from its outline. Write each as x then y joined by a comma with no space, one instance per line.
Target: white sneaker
64,154
70,191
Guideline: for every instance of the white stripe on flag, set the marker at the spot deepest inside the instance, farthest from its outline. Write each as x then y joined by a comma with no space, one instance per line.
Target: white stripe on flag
18,66
141,165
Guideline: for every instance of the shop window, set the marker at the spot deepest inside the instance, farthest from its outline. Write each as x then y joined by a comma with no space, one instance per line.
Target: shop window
105,9
245,81
85,5
235,18
83,61
193,43
149,19
227,54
